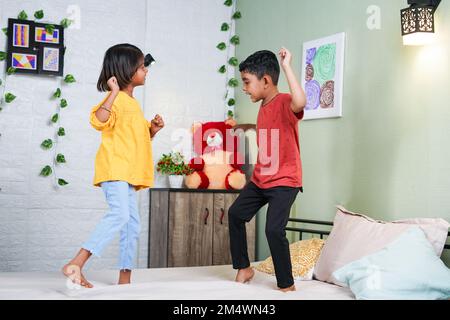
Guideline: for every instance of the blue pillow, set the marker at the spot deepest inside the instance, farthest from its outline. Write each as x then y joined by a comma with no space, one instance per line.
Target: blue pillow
407,268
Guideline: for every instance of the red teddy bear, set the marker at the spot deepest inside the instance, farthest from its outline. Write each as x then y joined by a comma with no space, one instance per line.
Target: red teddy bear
218,164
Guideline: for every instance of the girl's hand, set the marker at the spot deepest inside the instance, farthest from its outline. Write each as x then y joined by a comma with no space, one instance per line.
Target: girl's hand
286,57
157,124
113,85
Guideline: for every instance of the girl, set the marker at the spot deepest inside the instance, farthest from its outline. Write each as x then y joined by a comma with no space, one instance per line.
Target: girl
123,164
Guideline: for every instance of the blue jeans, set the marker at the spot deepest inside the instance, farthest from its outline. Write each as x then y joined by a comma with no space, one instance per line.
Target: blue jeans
122,216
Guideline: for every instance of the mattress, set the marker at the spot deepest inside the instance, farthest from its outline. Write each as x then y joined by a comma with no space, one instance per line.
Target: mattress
193,283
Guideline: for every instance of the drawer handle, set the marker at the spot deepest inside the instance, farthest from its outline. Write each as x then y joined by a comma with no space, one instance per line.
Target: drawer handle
222,215
206,215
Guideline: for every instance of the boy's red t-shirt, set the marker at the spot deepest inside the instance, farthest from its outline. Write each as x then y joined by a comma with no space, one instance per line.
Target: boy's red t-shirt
277,128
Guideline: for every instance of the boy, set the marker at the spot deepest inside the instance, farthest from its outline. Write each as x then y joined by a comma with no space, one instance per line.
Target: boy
277,176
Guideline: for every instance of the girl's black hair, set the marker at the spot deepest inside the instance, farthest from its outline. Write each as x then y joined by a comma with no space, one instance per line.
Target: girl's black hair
120,61
262,63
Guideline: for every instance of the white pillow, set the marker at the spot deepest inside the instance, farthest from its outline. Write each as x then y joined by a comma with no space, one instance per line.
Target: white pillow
405,269
355,235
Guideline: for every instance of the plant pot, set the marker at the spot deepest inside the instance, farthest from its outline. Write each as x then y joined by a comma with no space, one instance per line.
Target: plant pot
176,181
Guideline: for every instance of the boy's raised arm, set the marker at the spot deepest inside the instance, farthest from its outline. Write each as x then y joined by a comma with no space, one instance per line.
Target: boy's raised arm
297,93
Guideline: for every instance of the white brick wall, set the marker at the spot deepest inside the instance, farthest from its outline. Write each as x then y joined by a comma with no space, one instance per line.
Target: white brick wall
42,227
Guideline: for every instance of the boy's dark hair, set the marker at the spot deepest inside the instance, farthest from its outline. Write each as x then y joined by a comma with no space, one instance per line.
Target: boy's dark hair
262,63
120,61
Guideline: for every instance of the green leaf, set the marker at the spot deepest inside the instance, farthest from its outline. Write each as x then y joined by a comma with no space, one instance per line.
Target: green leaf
60,158
61,132
225,27
1,82
49,28
5,31
62,182
22,15
57,93
231,103
233,61
65,23
11,70
237,15
39,14
228,3
223,69
55,118
46,171
2,55
221,46
63,103
9,97
233,82
69,79
235,40
47,144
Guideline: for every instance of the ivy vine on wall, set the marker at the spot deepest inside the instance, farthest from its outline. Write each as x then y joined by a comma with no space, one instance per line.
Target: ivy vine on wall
48,144
55,120
234,40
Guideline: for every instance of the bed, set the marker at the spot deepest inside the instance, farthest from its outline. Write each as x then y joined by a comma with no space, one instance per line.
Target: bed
192,283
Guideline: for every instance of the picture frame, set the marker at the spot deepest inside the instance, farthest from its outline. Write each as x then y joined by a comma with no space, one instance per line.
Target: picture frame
21,34
41,36
24,61
322,76
32,50
51,60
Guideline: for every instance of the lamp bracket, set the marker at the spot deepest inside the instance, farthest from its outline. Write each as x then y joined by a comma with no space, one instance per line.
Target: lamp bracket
433,3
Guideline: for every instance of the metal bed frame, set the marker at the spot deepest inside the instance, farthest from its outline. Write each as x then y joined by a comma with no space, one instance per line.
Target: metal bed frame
321,233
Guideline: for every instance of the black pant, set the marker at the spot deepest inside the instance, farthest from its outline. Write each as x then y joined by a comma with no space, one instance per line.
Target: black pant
250,200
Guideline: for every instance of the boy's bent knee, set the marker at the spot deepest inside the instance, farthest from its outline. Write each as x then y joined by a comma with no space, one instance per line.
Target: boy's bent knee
232,212
272,232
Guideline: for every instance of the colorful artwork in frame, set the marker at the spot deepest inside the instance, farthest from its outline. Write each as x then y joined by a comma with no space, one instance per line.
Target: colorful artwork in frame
41,35
32,49
50,60
21,35
24,61
322,76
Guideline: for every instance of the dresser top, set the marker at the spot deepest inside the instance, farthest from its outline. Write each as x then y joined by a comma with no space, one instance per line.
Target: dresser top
195,190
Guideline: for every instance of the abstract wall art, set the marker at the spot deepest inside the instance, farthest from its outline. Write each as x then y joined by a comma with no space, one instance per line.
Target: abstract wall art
322,76
35,48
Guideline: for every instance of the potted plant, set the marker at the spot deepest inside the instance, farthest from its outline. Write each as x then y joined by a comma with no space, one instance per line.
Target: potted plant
173,165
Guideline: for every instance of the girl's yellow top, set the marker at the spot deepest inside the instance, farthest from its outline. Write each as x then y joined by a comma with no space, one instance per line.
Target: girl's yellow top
125,152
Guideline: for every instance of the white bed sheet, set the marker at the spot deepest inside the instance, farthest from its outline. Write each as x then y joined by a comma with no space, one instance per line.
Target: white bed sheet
195,283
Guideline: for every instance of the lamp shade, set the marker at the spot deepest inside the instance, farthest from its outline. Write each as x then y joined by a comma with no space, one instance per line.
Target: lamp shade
418,24
148,60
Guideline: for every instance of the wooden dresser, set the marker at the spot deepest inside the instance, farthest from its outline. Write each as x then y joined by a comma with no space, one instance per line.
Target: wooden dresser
190,228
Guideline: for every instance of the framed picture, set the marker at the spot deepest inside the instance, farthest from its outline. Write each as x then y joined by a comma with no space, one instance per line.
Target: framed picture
43,36
32,48
323,75
24,61
22,34
51,60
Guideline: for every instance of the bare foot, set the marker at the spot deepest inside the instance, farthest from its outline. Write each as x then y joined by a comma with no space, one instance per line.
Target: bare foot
291,288
245,275
73,272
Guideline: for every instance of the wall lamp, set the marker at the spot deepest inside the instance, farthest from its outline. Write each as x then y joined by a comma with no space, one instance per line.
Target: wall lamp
148,60
418,22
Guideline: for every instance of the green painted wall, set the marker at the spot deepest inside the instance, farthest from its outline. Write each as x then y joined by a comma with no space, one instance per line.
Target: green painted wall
389,155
